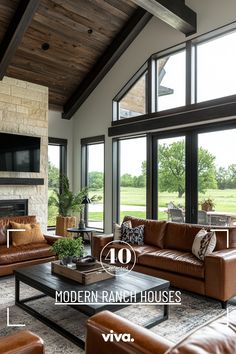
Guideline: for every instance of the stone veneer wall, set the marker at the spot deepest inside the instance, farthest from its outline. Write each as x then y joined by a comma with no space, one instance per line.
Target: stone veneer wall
24,110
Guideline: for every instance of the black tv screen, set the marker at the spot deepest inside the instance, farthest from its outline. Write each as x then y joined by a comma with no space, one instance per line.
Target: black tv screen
19,153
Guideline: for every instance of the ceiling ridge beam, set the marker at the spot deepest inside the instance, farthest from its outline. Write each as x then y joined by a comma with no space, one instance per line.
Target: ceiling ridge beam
121,42
173,12
14,34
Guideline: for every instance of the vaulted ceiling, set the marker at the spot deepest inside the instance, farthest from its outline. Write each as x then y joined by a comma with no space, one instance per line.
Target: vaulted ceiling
64,44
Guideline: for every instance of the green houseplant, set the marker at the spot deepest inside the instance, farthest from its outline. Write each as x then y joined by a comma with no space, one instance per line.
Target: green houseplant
66,248
68,204
65,200
207,204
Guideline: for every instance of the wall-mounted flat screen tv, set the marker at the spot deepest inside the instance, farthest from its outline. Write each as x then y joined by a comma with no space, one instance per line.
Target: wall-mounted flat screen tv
19,153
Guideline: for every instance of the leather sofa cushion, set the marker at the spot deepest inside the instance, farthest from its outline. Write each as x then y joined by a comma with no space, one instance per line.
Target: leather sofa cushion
216,337
181,236
154,231
139,250
28,219
174,261
24,253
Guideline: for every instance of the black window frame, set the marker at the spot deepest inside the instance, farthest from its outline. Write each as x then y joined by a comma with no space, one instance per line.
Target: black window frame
62,143
171,117
85,142
189,120
116,175
191,158
128,86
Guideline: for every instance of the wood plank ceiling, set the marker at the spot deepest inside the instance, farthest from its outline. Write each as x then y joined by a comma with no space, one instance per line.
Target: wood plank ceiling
78,33
70,45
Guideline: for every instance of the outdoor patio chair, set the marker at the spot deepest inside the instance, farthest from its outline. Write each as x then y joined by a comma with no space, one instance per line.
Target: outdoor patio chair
176,215
203,217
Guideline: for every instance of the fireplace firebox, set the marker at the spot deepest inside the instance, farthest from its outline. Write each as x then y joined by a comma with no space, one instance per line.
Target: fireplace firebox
13,207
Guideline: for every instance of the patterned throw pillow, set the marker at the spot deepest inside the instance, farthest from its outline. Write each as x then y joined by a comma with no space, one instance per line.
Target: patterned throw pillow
203,244
3,235
134,236
117,229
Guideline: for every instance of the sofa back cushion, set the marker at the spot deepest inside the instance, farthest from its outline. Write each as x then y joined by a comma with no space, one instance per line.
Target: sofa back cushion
181,236
28,219
154,231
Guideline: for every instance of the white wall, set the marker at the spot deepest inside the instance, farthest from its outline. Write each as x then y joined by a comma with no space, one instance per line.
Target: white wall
95,115
63,129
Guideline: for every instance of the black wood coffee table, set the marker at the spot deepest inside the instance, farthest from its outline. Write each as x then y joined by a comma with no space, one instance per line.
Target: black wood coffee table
40,277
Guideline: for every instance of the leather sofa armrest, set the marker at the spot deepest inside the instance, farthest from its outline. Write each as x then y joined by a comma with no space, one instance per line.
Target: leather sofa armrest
145,341
23,342
98,242
220,270
51,238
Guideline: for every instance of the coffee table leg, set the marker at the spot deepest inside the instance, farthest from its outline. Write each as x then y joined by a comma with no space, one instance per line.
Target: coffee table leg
22,304
166,312
156,320
17,290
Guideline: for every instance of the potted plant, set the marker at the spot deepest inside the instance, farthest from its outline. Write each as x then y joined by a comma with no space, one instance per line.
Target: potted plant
66,248
68,203
207,204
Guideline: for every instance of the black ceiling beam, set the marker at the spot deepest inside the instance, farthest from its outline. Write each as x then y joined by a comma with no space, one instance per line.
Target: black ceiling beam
18,25
121,42
174,12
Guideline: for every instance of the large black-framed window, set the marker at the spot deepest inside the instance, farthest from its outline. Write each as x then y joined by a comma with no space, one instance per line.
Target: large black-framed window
57,167
208,170
178,85
185,168
93,177
130,177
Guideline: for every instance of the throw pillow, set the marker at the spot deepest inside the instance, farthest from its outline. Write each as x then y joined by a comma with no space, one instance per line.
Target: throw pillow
37,235
3,235
203,244
20,237
134,236
117,230
32,234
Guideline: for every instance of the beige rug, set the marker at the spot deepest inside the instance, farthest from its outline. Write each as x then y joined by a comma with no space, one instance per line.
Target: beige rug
194,311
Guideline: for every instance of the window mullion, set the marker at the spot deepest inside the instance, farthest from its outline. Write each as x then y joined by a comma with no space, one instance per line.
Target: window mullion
189,63
151,86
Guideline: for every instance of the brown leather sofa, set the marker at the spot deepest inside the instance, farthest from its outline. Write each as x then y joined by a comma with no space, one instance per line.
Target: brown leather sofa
217,336
166,253
15,257
22,342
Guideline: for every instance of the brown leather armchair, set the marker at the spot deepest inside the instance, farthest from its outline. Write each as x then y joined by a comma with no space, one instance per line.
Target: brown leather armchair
217,336
22,342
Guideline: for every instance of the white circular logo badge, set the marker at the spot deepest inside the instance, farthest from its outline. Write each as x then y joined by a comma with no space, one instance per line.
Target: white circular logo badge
110,257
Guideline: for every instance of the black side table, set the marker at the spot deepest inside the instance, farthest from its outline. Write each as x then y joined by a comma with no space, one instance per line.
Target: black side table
80,232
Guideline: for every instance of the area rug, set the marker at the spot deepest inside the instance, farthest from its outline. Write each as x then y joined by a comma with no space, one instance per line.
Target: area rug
194,311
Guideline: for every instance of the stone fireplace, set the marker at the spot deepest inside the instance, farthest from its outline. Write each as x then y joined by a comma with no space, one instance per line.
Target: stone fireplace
24,110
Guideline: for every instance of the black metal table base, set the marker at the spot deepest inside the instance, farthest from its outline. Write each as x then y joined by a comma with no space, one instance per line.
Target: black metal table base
156,320
22,304
76,340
